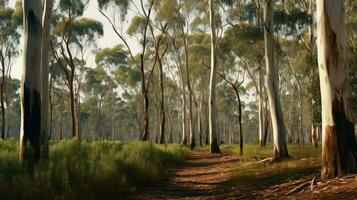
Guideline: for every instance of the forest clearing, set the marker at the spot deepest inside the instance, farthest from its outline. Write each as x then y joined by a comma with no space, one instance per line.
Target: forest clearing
178,99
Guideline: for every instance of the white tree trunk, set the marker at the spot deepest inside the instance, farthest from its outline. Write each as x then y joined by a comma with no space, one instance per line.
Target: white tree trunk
338,140
30,131
212,87
272,83
261,110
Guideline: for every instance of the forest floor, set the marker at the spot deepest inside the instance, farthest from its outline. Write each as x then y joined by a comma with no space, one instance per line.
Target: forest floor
229,176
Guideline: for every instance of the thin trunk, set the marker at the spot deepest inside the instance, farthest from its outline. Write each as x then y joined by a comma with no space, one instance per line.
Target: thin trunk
2,98
190,119
272,82
48,4
162,104
241,142
212,89
338,140
261,109
61,119
144,83
30,132
184,126
51,107
73,109
199,122
207,125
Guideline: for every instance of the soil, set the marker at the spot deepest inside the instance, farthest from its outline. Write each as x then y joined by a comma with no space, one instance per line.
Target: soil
211,176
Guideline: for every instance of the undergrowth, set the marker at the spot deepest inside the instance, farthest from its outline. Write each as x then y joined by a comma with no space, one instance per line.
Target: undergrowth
87,170
303,161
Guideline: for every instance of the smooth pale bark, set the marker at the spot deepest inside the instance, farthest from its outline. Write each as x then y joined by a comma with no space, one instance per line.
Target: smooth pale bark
261,109
207,124
183,111
212,86
48,4
338,139
314,135
30,131
190,116
199,121
272,82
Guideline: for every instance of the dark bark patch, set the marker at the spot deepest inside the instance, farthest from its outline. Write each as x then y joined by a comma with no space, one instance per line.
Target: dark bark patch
339,153
32,125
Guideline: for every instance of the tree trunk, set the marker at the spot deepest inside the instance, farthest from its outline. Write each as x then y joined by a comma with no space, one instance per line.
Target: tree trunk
199,122
30,132
279,129
338,139
51,107
261,109
2,98
44,72
212,87
241,142
190,119
184,126
314,132
73,109
61,119
162,105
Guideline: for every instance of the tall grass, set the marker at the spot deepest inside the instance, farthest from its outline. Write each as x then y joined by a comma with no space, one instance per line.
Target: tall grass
87,170
303,160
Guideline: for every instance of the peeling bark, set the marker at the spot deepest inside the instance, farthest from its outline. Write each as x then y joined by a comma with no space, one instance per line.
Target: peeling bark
338,139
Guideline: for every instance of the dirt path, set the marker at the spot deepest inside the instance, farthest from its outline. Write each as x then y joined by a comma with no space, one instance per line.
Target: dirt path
203,176
209,176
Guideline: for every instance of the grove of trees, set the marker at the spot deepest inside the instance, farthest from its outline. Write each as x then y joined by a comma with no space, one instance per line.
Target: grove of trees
192,72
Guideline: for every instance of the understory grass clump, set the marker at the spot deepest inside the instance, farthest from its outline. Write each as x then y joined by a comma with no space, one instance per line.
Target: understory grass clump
87,170
251,169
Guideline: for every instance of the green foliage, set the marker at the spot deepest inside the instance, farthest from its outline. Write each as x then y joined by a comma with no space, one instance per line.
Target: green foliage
289,22
122,5
79,29
87,170
137,25
74,8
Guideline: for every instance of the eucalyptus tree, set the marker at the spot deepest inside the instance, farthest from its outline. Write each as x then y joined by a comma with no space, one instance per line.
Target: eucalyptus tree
139,27
244,41
338,142
272,85
115,70
35,22
212,95
74,36
9,41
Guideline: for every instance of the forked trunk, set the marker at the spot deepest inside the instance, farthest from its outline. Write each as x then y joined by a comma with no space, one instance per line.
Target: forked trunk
272,83
338,139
